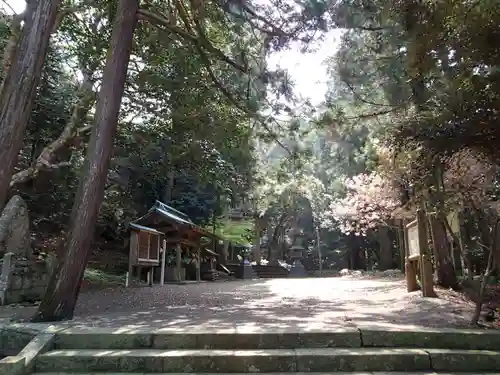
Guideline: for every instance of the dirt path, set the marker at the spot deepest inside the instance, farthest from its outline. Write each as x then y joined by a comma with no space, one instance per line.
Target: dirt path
278,303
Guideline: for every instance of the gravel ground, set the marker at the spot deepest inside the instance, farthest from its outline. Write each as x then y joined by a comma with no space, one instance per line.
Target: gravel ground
309,303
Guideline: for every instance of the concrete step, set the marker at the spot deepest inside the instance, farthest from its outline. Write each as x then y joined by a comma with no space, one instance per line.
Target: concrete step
110,339
268,361
106,338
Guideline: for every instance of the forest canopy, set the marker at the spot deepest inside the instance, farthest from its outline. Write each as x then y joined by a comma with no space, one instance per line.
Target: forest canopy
110,105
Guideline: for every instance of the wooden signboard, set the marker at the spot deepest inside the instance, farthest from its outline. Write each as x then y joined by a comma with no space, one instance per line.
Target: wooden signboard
413,243
418,260
144,246
454,221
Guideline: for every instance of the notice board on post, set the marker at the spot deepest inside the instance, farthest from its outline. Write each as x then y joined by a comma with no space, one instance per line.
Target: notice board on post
145,246
413,242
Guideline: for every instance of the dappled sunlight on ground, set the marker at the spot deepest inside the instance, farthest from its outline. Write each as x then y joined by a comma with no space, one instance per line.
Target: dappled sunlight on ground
253,305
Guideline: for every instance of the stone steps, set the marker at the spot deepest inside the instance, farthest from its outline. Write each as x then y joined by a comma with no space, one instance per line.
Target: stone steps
270,272
347,350
268,360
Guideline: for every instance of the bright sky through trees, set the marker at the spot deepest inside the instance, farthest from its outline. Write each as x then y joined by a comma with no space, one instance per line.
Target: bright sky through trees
307,70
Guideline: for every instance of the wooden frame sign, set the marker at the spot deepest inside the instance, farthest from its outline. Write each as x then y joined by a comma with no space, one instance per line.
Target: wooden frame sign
413,243
145,244
418,260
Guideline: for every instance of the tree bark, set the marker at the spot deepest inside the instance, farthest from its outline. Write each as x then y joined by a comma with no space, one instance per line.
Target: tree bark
256,242
10,49
318,246
19,86
486,276
62,293
273,240
167,195
385,248
444,266
401,245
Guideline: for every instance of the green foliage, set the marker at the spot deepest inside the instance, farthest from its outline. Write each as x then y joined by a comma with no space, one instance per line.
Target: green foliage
103,279
240,232
176,128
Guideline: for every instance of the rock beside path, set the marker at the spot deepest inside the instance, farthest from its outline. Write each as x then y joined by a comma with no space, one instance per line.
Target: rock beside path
15,228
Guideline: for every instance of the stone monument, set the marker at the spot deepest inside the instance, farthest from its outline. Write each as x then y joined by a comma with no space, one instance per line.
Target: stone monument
24,277
296,254
14,228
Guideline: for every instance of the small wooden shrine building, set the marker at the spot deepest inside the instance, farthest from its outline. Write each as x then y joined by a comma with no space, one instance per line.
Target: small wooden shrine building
162,229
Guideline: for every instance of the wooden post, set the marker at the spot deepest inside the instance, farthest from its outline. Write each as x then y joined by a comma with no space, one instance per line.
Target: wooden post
424,259
138,273
132,256
225,250
402,245
178,252
411,276
198,261
427,287
410,269
163,260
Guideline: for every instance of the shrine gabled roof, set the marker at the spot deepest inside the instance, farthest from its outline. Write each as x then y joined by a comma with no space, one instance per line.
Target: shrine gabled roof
143,228
171,213
167,213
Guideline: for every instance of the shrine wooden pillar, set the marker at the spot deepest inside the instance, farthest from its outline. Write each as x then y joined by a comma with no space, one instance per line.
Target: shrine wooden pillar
132,257
198,264
178,252
163,261
225,250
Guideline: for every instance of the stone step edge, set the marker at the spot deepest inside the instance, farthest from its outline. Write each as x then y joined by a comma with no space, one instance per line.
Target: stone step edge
278,373
284,360
193,330
263,352
83,338
258,352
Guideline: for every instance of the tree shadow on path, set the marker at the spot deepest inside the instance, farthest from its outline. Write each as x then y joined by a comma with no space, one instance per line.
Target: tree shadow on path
264,304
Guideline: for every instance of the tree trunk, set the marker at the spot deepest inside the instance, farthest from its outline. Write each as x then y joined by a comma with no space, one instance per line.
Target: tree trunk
357,256
496,255
256,243
271,250
401,245
19,86
167,195
486,276
385,248
274,237
485,224
444,265
62,293
467,244
318,246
